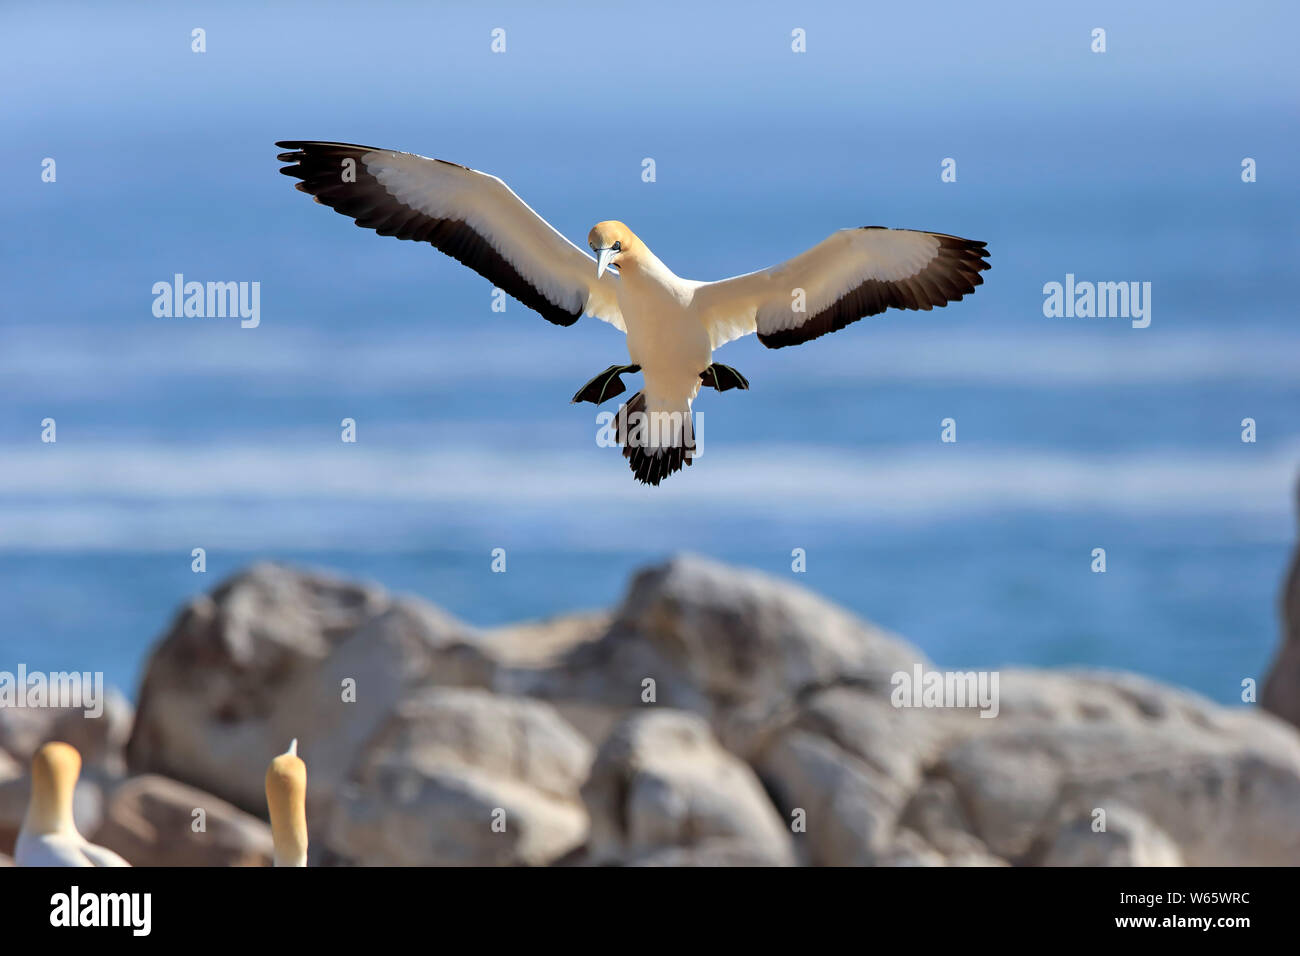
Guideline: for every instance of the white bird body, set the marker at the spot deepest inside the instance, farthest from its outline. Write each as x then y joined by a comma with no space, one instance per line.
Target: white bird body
673,325
666,334
49,835
62,849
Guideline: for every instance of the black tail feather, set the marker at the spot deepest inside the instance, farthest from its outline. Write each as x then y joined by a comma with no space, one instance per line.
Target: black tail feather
651,465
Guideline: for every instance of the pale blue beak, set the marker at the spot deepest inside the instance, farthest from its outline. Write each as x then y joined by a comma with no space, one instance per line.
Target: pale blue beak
603,257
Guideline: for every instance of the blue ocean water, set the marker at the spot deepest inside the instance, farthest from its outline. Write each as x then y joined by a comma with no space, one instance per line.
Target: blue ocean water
1073,434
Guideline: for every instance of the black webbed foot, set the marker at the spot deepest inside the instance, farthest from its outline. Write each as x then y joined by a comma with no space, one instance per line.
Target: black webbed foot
605,385
723,377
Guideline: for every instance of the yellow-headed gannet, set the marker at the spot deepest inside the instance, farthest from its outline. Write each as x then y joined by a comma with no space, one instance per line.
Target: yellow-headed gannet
49,836
673,325
286,800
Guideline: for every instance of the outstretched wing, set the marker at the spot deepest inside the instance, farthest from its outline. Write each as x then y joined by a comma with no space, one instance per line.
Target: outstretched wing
854,273
471,216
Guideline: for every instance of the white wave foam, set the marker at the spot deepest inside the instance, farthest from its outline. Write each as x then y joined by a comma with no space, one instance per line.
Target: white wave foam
131,495
1050,356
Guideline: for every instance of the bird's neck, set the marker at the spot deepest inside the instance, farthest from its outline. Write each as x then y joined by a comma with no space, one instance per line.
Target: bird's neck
645,265
289,832
50,809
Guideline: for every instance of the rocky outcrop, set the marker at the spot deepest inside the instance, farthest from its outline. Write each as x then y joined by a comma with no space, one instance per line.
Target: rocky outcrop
1223,784
849,762
149,820
153,821
100,739
735,646
715,717
1281,691
1120,836
663,792
275,654
458,777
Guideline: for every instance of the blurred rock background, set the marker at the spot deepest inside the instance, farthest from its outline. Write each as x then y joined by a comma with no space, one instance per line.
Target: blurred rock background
716,717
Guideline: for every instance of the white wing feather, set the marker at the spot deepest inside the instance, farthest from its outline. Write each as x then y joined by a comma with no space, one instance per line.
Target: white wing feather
786,296
469,215
540,252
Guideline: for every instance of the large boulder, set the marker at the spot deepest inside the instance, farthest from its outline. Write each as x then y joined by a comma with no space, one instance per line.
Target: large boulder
849,763
337,706
736,719
459,776
537,658
741,640
1181,778
273,654
152,821
1223,785
663,791
845,808
738,647
101,739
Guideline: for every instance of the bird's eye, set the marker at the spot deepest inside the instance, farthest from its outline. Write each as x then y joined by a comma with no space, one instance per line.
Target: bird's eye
618,247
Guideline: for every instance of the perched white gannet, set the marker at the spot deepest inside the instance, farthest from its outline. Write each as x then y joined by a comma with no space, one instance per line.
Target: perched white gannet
286,800
49,836
673,325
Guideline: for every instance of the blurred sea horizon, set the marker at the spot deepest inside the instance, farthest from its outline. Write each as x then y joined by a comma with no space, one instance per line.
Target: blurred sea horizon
1073,434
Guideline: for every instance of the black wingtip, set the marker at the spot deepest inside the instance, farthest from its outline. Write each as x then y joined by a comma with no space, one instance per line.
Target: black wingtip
371,205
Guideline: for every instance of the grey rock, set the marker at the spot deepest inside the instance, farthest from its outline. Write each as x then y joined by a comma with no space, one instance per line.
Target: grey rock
736,646
101,739
739,720
1223,784
463,777
1128,839
263,660
729,853
151,821
661,781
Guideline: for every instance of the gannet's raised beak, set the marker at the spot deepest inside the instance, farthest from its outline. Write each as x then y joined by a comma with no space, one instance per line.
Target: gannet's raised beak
603,257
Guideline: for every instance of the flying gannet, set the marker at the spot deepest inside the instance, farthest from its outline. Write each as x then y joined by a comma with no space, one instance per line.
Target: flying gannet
49,835
673,325
286,801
